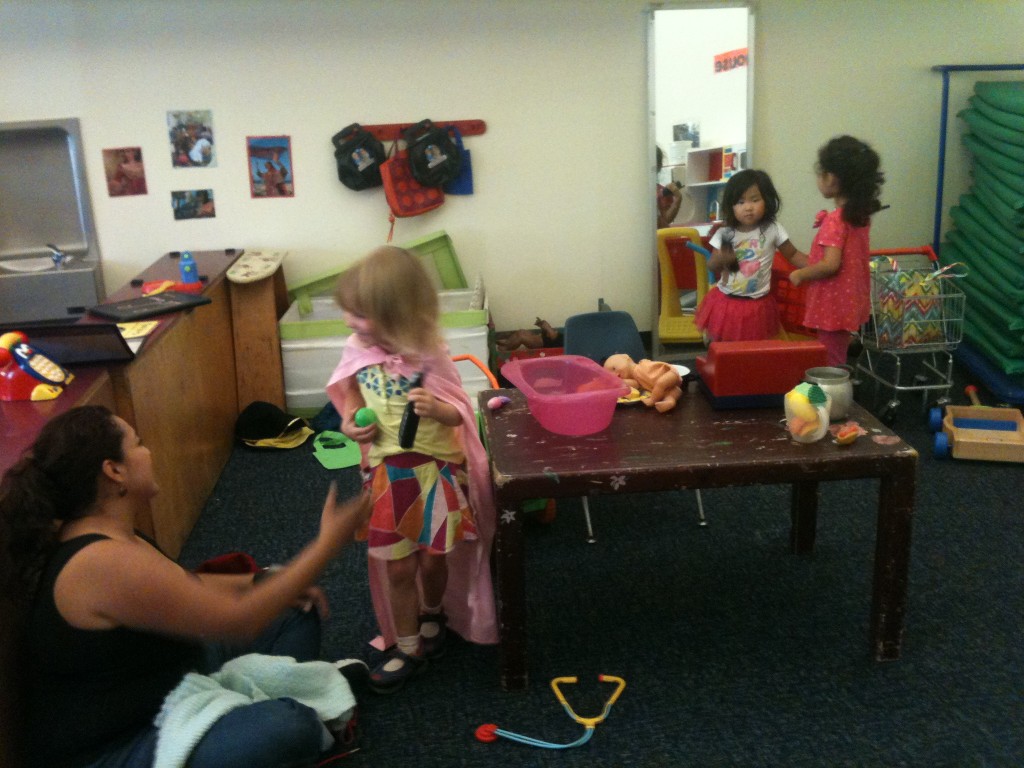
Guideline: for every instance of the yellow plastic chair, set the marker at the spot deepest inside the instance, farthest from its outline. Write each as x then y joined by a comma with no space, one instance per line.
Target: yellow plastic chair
674,263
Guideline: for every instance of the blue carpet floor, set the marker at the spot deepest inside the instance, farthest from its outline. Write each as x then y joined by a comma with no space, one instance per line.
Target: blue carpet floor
735,652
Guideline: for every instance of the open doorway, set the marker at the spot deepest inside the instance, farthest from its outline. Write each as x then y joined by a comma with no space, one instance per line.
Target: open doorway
700,100
699,82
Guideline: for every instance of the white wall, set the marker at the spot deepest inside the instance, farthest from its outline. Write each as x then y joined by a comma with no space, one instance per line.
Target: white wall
864,68
561,205
563,212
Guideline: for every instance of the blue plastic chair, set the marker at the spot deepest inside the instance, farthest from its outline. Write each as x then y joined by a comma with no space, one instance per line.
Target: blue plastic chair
598,336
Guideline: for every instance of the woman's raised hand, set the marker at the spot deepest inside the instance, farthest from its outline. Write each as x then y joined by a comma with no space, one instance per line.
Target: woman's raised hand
339,521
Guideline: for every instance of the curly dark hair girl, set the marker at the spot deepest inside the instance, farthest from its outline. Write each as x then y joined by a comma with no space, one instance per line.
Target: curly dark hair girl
55,481
856,168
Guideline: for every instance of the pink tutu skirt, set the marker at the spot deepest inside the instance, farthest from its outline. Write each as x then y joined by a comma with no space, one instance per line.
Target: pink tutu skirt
728,318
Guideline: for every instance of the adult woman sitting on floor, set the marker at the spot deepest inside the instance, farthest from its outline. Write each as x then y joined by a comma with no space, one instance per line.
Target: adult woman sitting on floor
113,625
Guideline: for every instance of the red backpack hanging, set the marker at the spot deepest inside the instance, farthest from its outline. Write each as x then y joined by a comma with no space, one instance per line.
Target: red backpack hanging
406,196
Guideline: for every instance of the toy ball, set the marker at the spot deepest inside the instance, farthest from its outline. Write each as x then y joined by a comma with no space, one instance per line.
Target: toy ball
365,417
498,401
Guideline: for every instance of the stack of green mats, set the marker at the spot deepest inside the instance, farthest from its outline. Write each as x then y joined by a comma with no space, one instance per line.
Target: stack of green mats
988,234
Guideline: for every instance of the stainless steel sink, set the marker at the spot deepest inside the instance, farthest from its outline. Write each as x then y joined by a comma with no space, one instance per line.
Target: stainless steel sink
49,255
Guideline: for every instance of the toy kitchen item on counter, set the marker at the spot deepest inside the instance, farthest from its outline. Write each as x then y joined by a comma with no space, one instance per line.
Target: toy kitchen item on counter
807,410
835,381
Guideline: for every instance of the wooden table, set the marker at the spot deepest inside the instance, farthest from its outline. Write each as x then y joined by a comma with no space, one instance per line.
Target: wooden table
693,446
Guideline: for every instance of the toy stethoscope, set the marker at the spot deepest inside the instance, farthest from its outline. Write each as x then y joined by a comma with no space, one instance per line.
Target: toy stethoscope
489,732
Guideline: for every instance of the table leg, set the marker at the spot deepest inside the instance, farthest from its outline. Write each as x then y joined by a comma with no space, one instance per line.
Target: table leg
804,517
892,564
511,594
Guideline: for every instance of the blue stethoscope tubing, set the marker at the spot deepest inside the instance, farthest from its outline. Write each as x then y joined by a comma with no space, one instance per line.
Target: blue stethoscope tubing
490,732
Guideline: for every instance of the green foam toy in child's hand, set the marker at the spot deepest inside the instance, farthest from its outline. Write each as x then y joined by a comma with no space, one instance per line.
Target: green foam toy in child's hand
365,417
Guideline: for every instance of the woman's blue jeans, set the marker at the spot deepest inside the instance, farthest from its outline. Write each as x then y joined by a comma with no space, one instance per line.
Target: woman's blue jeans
280,733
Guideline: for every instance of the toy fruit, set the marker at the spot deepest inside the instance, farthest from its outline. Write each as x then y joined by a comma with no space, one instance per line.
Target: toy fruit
847,434
807,407
365,417
801,406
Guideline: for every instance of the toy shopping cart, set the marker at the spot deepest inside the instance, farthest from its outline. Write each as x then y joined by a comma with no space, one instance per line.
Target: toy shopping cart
918,310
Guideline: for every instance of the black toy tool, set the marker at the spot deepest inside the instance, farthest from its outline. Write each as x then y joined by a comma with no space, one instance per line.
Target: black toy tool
410,421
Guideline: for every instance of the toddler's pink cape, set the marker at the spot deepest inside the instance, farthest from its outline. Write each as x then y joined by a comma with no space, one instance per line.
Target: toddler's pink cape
469,598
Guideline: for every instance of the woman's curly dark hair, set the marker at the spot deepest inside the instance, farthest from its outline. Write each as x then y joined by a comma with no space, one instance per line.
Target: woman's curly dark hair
56,480
856,168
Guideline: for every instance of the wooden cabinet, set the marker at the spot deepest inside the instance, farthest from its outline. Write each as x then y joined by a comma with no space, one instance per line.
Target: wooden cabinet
182,393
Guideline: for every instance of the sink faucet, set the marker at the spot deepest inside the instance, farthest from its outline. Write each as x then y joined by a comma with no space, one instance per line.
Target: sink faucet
60,258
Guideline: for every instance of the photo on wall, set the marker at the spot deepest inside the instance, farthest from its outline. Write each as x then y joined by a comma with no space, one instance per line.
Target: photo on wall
193,204
124,171
191,136
270,166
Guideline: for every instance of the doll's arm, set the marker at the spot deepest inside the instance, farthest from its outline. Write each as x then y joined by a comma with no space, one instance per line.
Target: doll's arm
665,378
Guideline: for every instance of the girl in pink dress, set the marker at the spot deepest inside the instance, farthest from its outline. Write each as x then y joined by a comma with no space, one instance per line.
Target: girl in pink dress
838,271
740,306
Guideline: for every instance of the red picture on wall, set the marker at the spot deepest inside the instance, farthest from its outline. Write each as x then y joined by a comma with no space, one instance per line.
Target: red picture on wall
270,166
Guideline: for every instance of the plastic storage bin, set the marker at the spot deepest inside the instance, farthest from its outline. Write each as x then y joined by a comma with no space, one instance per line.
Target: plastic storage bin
567,394
313,331
311,348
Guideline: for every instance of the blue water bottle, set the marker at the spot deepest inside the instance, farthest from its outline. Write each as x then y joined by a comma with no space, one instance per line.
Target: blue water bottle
188,269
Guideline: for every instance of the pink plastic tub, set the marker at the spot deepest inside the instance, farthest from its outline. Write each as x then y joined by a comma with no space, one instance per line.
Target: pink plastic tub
567,394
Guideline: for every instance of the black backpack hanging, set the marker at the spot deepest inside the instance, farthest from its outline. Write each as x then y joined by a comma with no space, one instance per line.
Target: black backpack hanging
434,158
359,154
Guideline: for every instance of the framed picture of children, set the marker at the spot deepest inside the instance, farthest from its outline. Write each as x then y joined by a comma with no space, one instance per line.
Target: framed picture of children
193,204
125,173
191,136
270,166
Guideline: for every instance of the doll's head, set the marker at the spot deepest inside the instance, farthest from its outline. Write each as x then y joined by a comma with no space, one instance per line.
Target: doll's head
849,168
390,287
745,185
621,365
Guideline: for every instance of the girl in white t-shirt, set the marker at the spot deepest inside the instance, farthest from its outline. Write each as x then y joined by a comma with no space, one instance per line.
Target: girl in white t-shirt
740,306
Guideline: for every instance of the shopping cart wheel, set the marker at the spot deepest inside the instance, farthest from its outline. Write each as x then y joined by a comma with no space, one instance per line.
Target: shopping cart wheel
935,419
888,414
941,448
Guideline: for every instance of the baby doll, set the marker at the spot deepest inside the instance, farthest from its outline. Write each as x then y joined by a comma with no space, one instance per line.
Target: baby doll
545,337
660,379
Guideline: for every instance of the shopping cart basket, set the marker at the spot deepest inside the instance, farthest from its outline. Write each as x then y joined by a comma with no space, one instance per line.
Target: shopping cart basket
916,310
